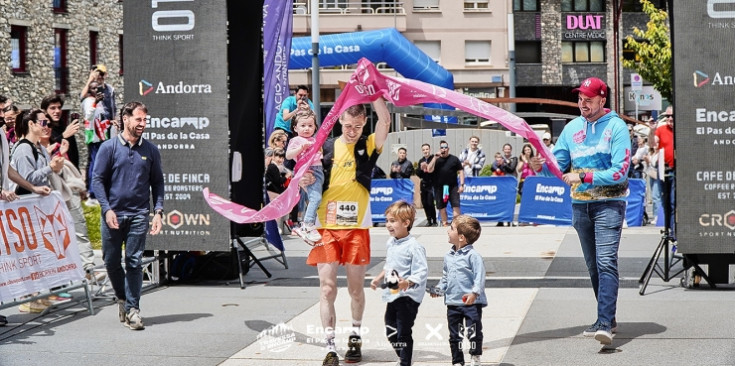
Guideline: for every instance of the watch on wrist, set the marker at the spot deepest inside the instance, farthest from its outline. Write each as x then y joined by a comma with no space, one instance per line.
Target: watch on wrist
158,212
582,176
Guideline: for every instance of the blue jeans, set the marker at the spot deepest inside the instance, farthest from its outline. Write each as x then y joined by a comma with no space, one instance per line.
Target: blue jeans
314,193
599,225
127,284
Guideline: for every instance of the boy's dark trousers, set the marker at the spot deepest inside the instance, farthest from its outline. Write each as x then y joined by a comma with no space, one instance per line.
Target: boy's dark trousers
399,318
463,319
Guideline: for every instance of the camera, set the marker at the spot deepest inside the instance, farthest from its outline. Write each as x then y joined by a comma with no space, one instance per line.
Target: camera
305,99
100,89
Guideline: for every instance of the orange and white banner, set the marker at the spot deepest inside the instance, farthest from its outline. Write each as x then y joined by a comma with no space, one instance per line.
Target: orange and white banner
39,247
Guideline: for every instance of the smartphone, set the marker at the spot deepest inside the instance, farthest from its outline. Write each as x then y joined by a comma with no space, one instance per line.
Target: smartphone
74,116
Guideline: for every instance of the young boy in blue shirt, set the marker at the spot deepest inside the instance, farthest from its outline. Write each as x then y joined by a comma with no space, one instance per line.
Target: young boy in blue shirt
407,269
463,286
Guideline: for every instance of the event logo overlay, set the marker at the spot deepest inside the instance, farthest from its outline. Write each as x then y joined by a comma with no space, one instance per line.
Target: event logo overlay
276,338
55,230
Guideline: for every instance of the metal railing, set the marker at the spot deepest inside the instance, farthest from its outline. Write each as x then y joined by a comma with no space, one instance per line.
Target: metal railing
350,7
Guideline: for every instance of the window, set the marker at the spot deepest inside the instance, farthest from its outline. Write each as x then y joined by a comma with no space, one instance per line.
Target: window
583,5
526,5
61,71
18,37
431,49
94,48
528,52
476,5
582,52
332,4
477,52
120,50
59,6
425,4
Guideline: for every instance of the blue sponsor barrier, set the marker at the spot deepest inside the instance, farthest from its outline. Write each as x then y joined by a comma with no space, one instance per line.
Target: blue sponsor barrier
487,198
636,202
545,200
383,192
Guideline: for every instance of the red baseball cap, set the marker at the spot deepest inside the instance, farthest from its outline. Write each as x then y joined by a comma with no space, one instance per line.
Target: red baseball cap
592,87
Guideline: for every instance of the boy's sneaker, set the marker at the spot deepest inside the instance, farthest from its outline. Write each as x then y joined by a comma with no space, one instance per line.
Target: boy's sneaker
604,335
476,361
331,359
133,320
590,332
121,310
353,353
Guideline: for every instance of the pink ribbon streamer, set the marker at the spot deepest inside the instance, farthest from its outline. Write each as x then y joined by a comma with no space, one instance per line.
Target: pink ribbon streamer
367,85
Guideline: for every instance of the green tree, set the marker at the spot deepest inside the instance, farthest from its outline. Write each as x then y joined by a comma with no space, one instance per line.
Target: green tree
653,50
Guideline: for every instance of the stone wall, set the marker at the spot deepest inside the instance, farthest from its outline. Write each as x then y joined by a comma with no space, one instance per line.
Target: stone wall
82,16
551,72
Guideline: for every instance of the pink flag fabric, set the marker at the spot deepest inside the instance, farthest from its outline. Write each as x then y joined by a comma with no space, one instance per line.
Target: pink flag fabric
364,86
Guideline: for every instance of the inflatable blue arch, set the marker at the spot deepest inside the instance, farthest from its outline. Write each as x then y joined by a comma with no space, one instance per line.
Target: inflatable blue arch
384,45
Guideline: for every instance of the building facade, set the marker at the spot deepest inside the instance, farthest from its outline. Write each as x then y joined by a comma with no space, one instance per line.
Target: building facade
49,46
557,43
468,38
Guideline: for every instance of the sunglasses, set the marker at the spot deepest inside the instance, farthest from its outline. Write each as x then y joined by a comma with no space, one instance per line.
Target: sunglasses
42,122
444,147
667,115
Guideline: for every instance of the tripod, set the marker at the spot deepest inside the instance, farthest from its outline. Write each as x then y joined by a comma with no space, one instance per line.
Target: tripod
667,245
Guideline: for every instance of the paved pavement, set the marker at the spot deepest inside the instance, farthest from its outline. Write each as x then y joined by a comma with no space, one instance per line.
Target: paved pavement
539,294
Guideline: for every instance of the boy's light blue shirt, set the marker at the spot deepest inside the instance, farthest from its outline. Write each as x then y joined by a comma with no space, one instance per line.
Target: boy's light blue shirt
463,273
408,257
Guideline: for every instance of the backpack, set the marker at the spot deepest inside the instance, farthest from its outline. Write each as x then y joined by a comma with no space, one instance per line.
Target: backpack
364,163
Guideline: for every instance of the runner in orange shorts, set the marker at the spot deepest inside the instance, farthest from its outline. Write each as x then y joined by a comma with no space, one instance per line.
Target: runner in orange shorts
345,219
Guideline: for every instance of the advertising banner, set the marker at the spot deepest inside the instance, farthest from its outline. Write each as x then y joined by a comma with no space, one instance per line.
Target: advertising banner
545,200
636,202
487,198
39,247
704,125
176,64
277,31
383,192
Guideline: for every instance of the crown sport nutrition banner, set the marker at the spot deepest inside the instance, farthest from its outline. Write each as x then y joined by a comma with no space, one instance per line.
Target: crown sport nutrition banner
704,125
176,63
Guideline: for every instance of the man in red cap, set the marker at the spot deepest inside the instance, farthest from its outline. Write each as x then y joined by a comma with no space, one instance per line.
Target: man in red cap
595,147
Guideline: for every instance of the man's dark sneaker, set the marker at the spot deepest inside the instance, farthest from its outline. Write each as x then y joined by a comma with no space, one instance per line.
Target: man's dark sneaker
331,359
590,332
353,353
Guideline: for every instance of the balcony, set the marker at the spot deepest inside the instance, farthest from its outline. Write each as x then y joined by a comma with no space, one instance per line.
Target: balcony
336,16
